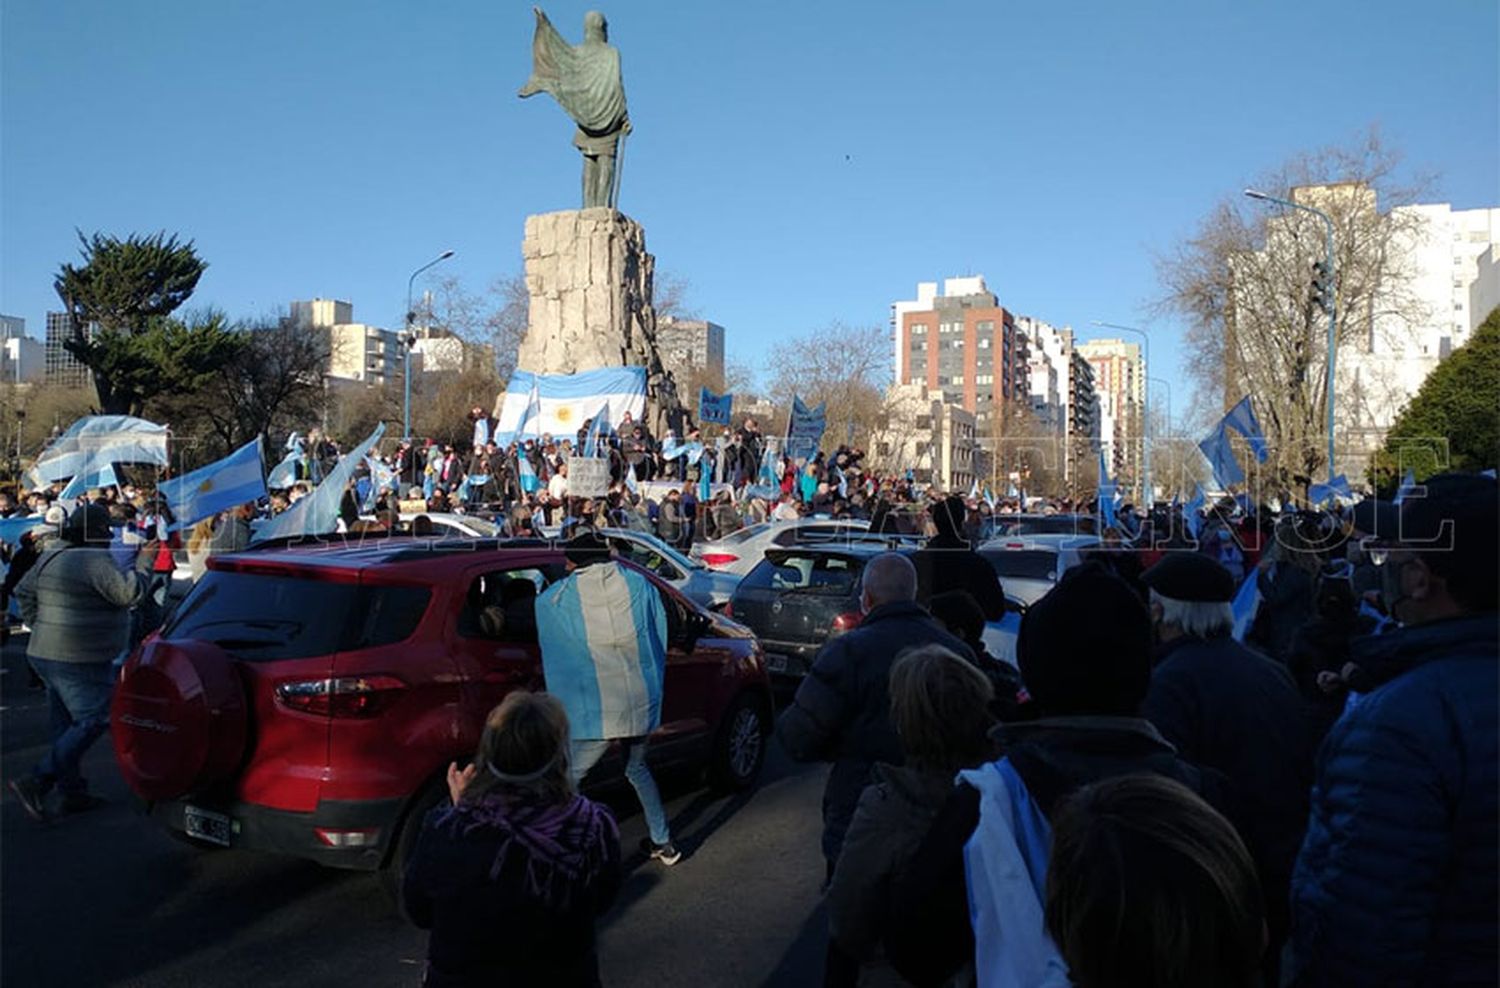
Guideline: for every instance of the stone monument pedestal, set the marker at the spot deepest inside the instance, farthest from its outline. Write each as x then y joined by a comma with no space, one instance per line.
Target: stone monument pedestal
590,280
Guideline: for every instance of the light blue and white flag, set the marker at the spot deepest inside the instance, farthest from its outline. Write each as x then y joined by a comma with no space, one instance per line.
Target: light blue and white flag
974,490
598,427
673,448
526,473
1005,870
83,483
1336,489
632,483
1220,455
714,408
98,441
481,431
603,636
318,513
236,479
11,529
382,478
1191,514
705,487
284,474
768,469
989,497
1246,603
564,401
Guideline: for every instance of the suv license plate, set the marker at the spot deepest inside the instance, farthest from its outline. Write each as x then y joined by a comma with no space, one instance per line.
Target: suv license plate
207,825
776,662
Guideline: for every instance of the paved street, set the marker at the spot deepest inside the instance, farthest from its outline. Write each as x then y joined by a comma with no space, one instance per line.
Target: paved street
108,899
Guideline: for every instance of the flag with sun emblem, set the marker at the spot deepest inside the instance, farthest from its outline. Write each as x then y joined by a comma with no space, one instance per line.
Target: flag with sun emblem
237,479
569,400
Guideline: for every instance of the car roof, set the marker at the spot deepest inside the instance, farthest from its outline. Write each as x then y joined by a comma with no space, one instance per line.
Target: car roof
397,554
861,547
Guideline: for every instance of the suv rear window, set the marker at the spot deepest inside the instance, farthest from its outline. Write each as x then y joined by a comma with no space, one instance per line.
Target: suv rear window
819,574
1023,564
262,618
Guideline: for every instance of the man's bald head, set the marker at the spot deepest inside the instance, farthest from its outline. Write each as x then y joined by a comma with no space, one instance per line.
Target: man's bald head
888,578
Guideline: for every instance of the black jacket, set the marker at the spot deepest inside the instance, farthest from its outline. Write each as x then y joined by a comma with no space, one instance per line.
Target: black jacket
494,931
929,938
1228,708
841,712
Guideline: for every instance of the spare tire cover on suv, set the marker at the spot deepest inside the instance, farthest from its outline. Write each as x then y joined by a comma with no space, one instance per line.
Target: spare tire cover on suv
178,718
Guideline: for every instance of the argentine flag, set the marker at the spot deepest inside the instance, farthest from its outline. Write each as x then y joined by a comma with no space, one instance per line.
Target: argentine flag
83,483
603,635
236,479
599,426
564,401
98,441
632,484
318,513
1245,604
526,473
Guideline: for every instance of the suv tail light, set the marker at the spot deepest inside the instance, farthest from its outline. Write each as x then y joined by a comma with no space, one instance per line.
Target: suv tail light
715,559
353,696
847,621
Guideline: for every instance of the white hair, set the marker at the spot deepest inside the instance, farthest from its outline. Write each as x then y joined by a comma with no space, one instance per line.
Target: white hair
1197,618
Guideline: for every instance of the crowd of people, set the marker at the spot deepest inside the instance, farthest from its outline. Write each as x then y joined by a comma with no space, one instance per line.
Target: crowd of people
1161,792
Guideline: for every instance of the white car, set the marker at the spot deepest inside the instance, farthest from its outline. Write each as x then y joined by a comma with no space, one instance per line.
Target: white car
1029,565
451,525
738,552
696,581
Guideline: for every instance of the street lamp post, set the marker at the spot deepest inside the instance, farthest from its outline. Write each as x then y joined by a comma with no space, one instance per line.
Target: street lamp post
1146,412
407,337
1332,305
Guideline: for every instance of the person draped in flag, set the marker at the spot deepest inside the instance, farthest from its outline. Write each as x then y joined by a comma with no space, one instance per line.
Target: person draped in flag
603,631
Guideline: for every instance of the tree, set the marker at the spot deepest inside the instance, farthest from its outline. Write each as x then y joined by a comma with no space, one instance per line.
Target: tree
120,300
496,317
1243,282
1453,421
846,367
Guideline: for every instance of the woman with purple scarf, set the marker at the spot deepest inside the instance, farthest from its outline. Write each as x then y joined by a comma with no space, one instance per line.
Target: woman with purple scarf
511,877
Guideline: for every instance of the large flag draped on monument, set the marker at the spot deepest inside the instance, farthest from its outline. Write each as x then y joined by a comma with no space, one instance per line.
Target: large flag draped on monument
566,401
236,479
98,441
714,408
318,513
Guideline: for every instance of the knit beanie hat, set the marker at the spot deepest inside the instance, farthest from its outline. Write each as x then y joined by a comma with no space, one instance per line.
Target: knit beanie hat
1085,648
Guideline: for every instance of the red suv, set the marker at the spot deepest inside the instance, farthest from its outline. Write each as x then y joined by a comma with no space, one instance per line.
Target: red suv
308,700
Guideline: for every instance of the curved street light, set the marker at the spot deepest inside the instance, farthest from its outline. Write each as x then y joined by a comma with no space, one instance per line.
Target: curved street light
407,337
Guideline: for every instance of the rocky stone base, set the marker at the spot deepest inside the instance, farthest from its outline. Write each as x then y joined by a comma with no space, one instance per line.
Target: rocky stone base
591,279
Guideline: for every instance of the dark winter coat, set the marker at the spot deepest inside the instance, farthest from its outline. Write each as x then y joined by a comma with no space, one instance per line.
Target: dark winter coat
1396,882
929,938
502,915
841,712
1225,707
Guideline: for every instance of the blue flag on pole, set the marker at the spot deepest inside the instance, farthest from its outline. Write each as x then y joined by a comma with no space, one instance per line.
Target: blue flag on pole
1408,484
318,513
1338,487
807,423
714,408
284,474
632,484
599,426
1241,418
234,480
1190,516
1220,455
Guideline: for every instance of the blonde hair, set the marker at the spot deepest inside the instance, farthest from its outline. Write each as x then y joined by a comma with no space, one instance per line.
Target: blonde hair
940,706
524,750
201,535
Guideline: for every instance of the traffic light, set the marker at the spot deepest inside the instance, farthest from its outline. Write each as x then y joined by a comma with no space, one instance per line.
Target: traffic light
1322,286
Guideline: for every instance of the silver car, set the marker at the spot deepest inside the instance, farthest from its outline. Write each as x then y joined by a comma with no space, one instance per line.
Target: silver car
696,581
738,552
1030,565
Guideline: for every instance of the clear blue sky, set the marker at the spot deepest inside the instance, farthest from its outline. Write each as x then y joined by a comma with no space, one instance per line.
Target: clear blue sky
797,163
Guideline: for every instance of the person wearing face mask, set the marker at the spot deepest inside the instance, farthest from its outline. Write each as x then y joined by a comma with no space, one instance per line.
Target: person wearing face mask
1226,707
1396,881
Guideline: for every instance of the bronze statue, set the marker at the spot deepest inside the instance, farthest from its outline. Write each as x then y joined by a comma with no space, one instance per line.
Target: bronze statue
586,82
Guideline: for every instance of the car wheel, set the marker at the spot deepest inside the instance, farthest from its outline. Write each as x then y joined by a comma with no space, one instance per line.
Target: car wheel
394,870
740,747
